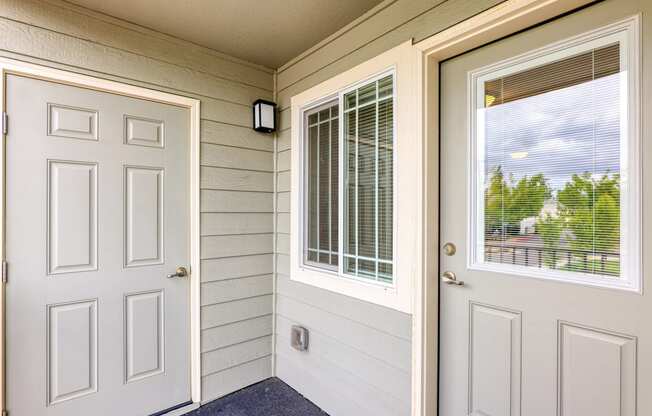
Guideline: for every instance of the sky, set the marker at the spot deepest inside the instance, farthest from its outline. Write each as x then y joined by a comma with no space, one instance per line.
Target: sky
567,131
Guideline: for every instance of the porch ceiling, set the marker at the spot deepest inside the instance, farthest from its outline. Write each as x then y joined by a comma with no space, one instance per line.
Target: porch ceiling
269,32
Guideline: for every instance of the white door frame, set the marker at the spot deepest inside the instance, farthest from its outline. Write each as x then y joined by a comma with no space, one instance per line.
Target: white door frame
15,67
502,20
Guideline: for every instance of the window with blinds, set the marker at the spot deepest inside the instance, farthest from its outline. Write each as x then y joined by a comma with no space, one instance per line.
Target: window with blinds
368,180
322,186
363,217
548,146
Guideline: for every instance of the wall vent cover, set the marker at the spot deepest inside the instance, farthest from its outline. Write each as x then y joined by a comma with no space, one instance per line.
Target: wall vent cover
299,338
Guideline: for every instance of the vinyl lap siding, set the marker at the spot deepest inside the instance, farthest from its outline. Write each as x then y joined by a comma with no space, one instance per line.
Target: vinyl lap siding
236,251
359,362
236,173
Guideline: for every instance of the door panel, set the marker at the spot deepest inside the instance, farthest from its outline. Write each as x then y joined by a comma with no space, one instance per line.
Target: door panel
494,361
144,215
144,340
72,216
544,325
70,122
97,217
580,349
144,132
72,350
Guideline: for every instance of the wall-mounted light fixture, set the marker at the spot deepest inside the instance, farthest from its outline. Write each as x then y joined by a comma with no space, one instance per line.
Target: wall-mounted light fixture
264,116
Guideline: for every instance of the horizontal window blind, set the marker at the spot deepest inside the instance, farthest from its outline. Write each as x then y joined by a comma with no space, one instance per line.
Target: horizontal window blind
323,184
368,182
552,140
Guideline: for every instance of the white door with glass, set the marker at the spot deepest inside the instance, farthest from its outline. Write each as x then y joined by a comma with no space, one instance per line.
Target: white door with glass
542,308
96,219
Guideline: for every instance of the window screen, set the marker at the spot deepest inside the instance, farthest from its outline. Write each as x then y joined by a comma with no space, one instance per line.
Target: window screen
368,180
549,142
322,185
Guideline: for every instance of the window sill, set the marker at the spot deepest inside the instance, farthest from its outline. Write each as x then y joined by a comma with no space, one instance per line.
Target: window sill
369,291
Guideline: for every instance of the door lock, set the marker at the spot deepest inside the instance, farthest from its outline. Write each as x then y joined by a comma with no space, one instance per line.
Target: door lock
449,249
180,272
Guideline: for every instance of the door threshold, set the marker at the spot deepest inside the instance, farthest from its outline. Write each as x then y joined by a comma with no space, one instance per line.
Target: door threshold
178,410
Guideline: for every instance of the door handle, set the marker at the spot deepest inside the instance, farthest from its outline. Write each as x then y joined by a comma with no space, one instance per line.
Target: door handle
450,279
180,272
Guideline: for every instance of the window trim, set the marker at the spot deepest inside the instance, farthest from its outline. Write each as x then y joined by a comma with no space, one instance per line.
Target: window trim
406,178
626,34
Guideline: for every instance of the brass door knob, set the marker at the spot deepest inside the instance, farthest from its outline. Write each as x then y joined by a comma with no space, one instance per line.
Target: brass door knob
450,279
180,272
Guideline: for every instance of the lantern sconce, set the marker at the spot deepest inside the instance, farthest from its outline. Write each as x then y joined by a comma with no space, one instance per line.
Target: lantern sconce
264,116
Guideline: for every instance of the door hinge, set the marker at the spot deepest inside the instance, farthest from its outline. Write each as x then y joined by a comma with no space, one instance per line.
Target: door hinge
5,124
5,272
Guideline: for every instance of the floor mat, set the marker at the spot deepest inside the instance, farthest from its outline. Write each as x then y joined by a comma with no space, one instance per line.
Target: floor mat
271,397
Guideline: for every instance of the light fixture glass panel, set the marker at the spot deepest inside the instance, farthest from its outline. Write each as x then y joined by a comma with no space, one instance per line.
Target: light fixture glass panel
267,116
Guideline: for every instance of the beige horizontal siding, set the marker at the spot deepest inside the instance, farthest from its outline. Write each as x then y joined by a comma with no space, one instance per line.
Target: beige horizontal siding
234,355
236,180
216,223
238,310
63,17
236,201
231,379
283,202
236,333
220,291
236,245
215,155
234,267
52,46
237,136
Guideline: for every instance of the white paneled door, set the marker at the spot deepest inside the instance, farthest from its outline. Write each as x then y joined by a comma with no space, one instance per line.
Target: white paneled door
545,307
97,218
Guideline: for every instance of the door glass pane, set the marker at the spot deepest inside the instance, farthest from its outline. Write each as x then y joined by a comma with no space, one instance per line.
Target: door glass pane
548,144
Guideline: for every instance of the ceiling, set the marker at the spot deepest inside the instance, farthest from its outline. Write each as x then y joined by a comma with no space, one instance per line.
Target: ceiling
266,32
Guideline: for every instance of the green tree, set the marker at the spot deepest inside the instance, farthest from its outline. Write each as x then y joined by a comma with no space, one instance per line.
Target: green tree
550,229
607,223
509,202
495,197
526,198
592,211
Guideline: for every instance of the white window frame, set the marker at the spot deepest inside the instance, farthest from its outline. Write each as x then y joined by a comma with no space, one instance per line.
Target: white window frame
626,34
406,163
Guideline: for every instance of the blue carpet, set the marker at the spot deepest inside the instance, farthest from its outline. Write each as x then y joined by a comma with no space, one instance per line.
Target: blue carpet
270,397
